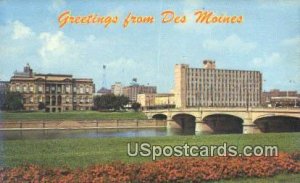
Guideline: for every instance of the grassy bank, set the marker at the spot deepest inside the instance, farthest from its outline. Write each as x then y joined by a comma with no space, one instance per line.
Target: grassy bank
74,115
83,152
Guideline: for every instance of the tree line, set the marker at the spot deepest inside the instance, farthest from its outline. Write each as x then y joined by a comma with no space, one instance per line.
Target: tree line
13,101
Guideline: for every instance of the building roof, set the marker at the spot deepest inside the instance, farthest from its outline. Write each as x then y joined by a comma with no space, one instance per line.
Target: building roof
104,90
28,75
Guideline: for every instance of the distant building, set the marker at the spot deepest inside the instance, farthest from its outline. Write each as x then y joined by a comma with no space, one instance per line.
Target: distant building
59,92
103,91
209,86
277,98
132,91
146,99
117,89
156,100
3,90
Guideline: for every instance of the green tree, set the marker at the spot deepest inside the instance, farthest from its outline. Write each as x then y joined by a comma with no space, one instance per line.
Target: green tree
110,102
120,102
135,106
13,101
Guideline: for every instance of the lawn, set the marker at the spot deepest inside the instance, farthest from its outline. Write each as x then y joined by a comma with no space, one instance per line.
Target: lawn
76,153
74,115
83,152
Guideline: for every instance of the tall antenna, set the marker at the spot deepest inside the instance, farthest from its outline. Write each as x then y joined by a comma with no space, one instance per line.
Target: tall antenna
104,76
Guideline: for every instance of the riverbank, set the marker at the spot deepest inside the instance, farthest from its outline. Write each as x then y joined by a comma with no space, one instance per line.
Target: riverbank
72,115
83,124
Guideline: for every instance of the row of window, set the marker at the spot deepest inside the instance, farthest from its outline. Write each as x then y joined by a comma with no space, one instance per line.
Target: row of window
218,103
225,98
58,89
67,100
199,71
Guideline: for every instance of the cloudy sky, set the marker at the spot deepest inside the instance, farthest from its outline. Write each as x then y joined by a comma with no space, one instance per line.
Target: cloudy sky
268,40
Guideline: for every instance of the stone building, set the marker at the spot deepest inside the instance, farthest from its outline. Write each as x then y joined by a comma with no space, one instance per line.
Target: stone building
59,92
146,99
132,91
209,86
156,100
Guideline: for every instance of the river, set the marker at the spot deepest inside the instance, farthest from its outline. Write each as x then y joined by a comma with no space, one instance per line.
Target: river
88,133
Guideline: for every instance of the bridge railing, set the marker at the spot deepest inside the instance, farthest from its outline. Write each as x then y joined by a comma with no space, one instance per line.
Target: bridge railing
294,109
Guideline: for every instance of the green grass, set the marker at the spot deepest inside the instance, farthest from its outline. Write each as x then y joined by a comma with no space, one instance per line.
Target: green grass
75,153
83,152
74,115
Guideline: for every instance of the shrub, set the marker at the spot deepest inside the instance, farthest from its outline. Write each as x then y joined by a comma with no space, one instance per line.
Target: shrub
179,169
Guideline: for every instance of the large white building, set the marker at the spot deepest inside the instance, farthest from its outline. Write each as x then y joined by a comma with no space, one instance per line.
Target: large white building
209,86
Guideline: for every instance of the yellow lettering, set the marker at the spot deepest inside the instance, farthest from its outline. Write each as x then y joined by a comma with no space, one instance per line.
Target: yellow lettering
63,18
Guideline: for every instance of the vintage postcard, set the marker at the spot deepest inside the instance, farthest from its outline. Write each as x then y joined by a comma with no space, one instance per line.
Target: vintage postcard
149,91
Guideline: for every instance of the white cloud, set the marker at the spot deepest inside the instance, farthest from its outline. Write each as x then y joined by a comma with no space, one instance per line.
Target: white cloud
232,43
267,60
20,31
56,47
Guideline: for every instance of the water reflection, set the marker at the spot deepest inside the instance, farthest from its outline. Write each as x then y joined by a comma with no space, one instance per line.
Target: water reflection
90,133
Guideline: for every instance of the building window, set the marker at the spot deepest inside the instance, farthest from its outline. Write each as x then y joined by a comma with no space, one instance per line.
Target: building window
68,89
74,89
40,89
81,90
18,88
31,88
87,90
24,88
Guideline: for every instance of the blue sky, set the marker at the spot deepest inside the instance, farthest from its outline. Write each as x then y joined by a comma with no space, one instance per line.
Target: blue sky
268,40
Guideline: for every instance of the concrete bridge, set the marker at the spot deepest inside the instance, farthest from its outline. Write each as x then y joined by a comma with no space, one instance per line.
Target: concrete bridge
230,120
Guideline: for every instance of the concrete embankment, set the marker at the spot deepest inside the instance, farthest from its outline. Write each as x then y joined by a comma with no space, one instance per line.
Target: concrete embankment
72,124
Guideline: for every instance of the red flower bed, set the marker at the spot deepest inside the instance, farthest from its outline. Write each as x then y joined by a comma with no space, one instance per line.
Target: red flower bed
172,169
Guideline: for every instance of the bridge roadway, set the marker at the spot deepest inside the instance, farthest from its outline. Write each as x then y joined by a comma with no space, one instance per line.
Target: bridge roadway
231,120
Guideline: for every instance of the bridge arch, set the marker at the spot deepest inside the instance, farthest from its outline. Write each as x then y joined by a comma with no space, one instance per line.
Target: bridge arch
223,123
160,116
184,121
278,123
